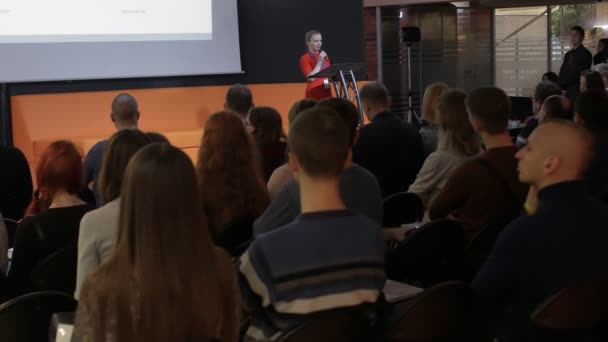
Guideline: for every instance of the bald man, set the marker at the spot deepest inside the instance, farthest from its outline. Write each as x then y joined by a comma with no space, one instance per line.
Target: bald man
124,115
562,242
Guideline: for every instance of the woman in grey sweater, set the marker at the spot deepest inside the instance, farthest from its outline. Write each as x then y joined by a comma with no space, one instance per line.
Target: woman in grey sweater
457,142
99,228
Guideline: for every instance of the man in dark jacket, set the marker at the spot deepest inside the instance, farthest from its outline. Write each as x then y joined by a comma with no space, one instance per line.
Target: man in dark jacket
575,61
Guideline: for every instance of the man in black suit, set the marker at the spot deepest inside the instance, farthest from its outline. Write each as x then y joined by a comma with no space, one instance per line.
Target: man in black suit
388,147
575,61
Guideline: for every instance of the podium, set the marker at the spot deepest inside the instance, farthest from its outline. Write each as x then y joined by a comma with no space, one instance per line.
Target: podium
343,78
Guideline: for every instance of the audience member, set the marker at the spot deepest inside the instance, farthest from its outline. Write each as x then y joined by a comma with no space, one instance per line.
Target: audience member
55,213
231,181
563,242
556,107
239,100
388,147
166,281
266,127
157,138
550,76
574,62
543,90
311,272
592,80
603,70
457,142
429,133
484,189
282,175
359,189
125,115
15,183
601,56
590,111
99,228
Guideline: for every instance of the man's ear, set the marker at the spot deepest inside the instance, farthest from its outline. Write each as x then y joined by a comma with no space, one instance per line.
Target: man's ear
356,138
349,159
294,165
112,117
551,165
138,115
578,119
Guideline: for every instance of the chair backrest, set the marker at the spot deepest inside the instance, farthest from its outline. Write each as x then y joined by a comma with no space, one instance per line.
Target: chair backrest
481,245
331,326
27,318
583,306
11,229
445,312
432,254
402,208
56,272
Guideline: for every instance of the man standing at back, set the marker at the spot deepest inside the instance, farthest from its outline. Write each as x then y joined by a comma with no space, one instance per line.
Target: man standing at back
575,61
239,100
124,115
388,147
563,242
484,189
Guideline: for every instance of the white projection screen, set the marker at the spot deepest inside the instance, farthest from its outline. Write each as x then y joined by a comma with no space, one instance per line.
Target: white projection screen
62,40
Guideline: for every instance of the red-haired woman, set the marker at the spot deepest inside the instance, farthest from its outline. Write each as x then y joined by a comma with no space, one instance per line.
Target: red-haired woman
231,182
52,219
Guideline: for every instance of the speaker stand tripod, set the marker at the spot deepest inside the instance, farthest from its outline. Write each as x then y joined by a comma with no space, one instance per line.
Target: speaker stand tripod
411,116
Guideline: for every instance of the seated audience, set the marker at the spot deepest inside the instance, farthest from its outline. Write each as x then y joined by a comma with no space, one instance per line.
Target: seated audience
563,242
282,175
457,142
239,100
592,80
484,189
157,138
359,189
15,183
590,111
125,115
54,214
266,127
551,76
99,228
543,90
329,257
231,181
166,281
603,70
388,147
429,132
556,107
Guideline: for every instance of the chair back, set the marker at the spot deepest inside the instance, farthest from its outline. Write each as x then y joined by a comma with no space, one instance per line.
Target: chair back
580,308
445,312
27,318
335,325
480,247
402,208
11,229
56,272
430,255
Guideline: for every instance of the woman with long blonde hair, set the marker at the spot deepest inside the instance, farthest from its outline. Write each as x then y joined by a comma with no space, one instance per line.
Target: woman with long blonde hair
430,132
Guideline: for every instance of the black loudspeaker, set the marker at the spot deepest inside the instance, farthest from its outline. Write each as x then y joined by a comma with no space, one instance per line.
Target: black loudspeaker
411,34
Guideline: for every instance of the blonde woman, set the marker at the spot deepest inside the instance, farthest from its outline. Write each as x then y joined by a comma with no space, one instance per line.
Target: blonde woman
429,108
457,142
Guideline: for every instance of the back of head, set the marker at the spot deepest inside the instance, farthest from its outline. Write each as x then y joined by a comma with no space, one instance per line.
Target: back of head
239,99
162,238
430,100
551,76
456,132
267,125
375,94
299,107
491,107
594,80
545,89
320,141
230,172
590,110
119,150
602,68
347,111
59,169
157,138
125,110
557,107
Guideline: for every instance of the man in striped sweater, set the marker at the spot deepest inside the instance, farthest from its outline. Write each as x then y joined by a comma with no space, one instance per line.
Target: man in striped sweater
329,257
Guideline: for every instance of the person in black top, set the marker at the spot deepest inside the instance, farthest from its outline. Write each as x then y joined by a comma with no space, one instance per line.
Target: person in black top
563,242
52,219
388,147
575,61
15,183
602,52
543,90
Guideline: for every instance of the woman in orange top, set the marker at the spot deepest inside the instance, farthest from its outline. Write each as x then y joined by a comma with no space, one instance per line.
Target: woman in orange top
313,61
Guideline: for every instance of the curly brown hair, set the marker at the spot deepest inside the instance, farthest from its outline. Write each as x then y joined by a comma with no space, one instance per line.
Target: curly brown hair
230,173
